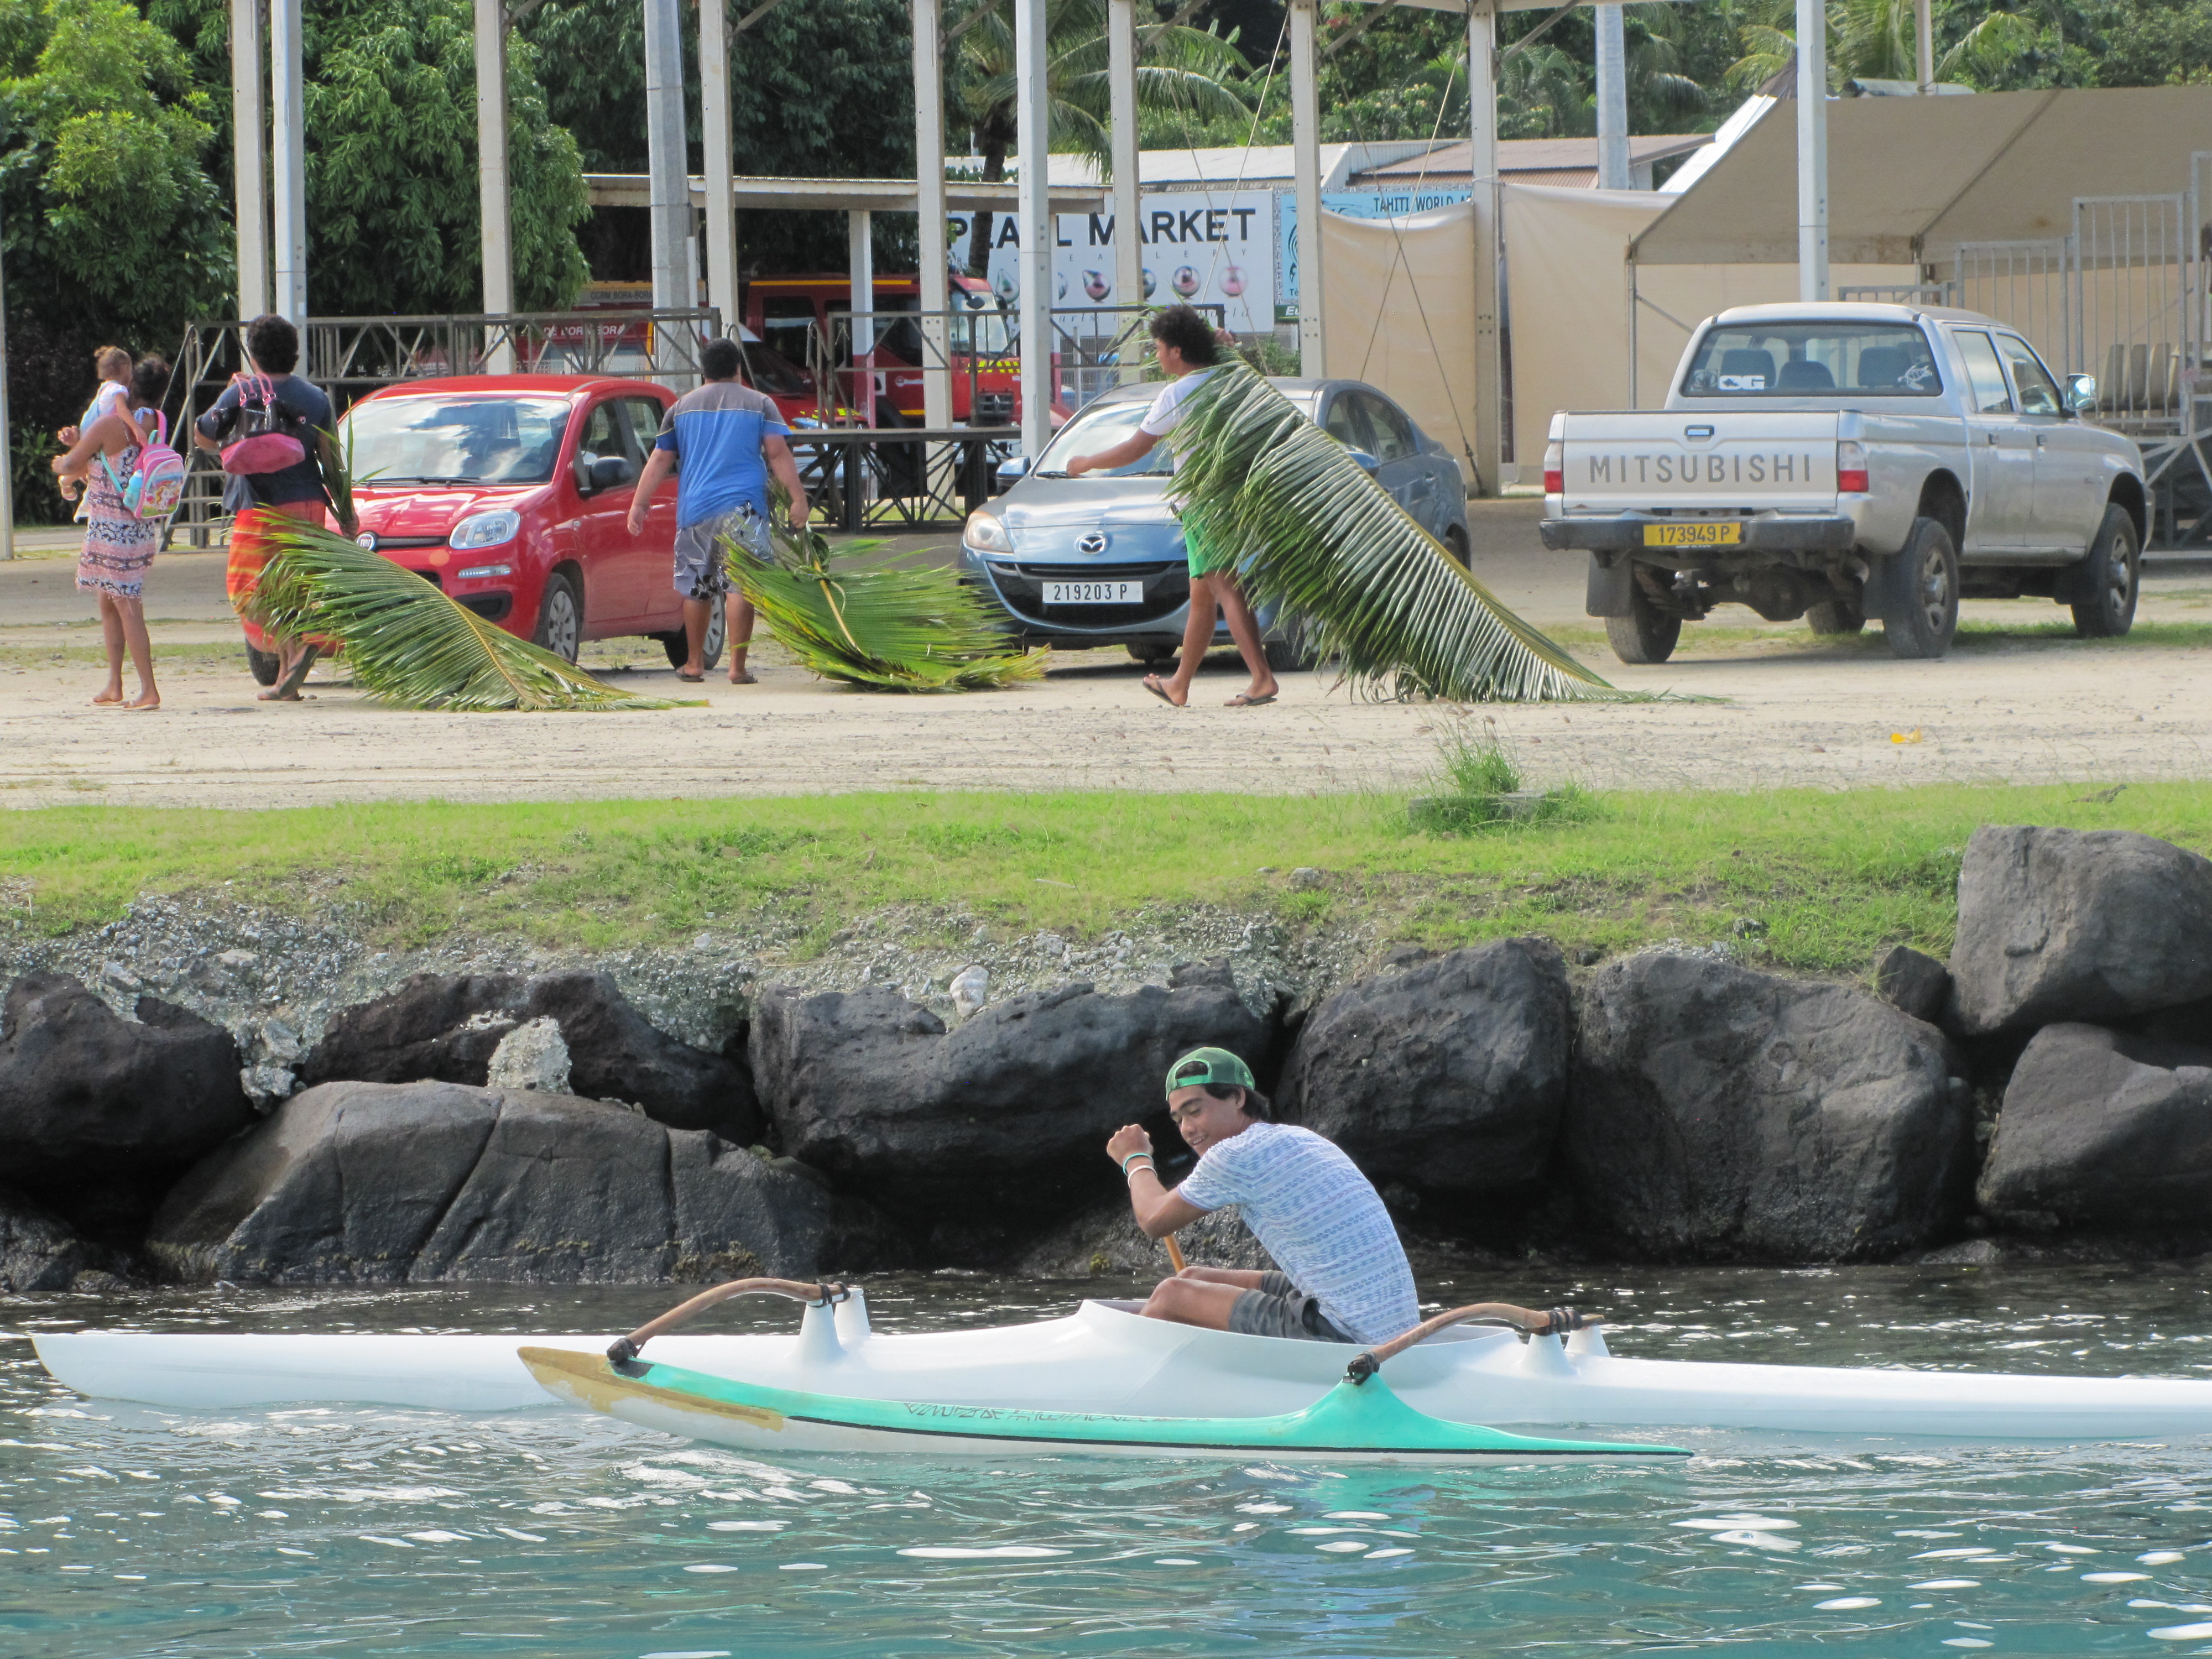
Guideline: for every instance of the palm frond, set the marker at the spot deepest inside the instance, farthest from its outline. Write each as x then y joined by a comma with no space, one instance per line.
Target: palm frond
408,641
1369,584
900,625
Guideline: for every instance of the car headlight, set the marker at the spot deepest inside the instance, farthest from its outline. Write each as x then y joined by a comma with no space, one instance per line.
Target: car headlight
485,530
987,532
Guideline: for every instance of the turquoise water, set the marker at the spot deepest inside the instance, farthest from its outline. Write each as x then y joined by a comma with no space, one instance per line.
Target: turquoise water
132,1531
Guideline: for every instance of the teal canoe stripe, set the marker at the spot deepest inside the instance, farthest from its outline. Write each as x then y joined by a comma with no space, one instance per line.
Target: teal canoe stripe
1349,1419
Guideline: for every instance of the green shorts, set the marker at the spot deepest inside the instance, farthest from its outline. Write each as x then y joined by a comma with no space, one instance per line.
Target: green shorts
1205,561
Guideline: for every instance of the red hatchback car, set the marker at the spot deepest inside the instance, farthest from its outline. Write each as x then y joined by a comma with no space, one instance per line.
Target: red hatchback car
511,493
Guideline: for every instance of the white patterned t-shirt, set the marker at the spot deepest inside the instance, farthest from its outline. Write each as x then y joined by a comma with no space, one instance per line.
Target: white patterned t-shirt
1320,1218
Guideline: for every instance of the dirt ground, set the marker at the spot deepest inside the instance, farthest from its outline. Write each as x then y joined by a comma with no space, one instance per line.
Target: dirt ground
2018,700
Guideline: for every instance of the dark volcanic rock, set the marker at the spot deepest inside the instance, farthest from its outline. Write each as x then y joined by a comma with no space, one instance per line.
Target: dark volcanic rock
1914,981
2103,1129
2073,924
1446,1077
1008,1114
98,1114
383,1183
1103,1242
1720,1114
445,1028
41,1252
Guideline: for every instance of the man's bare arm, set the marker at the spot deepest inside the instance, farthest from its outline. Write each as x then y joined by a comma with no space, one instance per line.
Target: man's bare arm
785,466
1131,449
1158,1212
661,463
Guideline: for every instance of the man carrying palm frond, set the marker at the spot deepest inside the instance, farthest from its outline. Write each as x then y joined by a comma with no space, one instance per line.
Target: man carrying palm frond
1186,348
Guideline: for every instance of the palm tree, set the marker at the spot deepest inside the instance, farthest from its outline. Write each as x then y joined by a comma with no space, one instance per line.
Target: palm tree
1874,41
1368,586
1177,68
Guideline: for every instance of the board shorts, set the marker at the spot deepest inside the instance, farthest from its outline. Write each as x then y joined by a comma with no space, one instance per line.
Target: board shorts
701,573
1279,1307
1204,560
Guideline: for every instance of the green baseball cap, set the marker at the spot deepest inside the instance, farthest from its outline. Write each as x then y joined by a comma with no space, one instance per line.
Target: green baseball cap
1210,1066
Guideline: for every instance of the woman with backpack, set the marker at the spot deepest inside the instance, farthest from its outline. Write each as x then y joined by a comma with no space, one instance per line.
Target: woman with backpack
273,430
119,542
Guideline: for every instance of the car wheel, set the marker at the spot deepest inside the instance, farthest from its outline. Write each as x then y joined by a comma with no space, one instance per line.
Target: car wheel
2109,581
560,617
1646,634
1456,545
1920,607
1290,653
677,644
1837,616
265,665
1148,652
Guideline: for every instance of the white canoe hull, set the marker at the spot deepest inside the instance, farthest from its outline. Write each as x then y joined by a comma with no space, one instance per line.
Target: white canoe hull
1101,1358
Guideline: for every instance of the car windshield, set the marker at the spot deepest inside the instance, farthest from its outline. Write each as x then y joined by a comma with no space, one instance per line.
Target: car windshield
1103,425
1813,359
773,372
455,440
984,334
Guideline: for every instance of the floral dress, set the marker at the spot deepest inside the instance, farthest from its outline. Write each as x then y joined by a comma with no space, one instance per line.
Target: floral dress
119,544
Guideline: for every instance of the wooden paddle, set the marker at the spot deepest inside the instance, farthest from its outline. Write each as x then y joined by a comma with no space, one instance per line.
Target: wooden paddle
1174,1253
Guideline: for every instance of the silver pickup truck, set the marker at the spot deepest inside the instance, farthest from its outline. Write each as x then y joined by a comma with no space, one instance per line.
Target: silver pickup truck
1842,462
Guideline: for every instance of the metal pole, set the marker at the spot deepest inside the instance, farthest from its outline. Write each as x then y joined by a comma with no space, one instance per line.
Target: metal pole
7,436
1305,166
929,199
860,273
669,193
716,143
249,141
287,140
1489,390
1812,150
1923,31
1121,108
1612,100
498,231
1033,222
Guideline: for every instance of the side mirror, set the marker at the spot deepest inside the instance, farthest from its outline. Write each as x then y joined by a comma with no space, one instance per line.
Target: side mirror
1368,463
1010,470
612,471
2081,393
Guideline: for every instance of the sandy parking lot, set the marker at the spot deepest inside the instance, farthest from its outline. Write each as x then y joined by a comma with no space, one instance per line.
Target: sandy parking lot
2019,707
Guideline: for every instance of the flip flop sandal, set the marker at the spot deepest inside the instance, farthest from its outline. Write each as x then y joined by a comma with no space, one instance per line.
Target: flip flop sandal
690,679
746,678
288,689
1240,701
1160,691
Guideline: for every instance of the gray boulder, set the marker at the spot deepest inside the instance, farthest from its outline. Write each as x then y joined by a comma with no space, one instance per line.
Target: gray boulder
2104,1128
98,1114
1447,1076
1720,1114
42,1252
1007,1116
1915,982
2077,925
389,1183
446,1028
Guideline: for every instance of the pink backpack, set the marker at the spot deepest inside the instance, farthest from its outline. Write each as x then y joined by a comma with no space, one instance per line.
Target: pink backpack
155,487
267,439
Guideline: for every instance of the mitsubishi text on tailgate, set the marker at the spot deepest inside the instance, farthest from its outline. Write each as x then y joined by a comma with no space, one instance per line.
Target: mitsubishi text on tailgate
1843,463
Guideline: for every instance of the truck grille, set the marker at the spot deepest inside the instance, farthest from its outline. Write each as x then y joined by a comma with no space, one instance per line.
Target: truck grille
992,409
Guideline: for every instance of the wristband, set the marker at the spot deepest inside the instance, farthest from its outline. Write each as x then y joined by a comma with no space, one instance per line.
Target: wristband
1132,1159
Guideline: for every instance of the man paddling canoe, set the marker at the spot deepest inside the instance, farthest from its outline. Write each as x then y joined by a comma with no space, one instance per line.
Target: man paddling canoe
1343,1278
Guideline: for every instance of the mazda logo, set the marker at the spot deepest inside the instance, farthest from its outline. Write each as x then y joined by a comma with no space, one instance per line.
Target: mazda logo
1094,543
367,539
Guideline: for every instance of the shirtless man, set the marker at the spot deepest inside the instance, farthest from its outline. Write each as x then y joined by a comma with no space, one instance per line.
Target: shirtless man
1343,1278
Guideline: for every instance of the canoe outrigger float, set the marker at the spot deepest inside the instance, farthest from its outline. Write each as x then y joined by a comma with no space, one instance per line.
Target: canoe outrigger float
1103,1360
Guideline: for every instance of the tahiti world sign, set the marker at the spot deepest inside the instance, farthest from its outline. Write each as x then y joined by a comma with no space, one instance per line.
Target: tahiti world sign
1208,247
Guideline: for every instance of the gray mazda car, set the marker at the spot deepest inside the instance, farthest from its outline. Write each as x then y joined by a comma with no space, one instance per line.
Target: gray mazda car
1098,560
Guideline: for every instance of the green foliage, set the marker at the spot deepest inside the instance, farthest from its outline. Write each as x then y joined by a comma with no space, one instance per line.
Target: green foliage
407,641
905,625
1372,588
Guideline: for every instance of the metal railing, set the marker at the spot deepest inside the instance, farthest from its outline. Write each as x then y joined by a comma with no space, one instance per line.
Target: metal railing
350,356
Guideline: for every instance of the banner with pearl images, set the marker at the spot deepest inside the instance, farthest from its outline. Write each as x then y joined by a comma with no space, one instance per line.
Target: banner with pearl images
1206,247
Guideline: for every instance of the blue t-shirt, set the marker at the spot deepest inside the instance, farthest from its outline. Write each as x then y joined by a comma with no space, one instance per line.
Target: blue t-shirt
716,434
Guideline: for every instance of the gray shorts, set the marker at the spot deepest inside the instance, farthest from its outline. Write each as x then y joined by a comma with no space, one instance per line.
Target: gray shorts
701,571
1279,1307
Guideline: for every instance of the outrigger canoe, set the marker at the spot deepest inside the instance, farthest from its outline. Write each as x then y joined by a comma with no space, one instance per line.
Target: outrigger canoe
1104,1359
